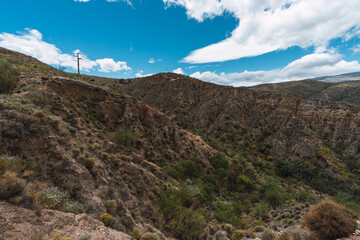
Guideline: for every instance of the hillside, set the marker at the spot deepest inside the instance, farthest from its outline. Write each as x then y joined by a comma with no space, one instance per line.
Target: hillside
166,155
260,123
343,92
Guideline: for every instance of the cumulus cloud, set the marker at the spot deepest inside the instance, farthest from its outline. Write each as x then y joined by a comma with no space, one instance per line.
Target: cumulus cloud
179,71
266,26
109,65
309,66
140,74
31,43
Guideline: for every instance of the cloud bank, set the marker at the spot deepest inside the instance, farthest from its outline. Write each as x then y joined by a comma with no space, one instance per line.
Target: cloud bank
310,66
31,43
270,25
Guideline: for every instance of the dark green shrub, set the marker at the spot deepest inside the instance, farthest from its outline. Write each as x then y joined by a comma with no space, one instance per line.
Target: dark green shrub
9,77
125,137
272,192
186,169
329,221
219,161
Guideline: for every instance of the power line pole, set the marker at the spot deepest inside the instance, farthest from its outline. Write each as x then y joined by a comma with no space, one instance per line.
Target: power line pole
78,63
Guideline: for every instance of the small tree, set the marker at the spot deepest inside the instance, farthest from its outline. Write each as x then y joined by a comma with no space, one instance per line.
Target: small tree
9,77
329,221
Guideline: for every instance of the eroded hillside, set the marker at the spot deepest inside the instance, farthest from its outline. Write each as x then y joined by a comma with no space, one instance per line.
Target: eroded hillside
166,156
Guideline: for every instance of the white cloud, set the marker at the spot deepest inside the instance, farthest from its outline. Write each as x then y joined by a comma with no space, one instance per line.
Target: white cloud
109,65
31,43
269,25
141,74
179,71
309,66
152,60
356,49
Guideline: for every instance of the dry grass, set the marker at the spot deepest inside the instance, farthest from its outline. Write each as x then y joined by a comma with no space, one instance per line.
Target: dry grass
329,220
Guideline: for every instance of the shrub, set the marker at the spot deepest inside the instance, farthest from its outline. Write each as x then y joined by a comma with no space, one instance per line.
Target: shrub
135,235
187,223
284,236
85,237
89,162
9,77
111,205
329,220
186,169
219,161
268,235
125,137
59,237
53,198
10,185
149,236
238,234
258,229
106,219
272,193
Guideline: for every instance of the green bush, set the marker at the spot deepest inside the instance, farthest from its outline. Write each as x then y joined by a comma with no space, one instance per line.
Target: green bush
9,77
53,198
149,236
272,192
135,235
187,223
284,236
125,137
268,235
329,221
219,161
186,169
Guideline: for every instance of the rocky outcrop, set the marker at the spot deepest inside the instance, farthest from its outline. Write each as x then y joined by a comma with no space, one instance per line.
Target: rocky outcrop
20,223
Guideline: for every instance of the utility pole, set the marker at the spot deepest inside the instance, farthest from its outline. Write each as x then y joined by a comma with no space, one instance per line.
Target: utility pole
78,63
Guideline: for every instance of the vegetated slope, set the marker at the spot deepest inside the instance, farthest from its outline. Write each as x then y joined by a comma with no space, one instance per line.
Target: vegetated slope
89,147
55,152
323,133
344,92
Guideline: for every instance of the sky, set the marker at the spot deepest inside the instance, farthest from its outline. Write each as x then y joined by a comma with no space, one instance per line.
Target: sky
228,42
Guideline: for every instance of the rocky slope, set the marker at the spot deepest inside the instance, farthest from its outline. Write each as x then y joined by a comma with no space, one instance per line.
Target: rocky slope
17,223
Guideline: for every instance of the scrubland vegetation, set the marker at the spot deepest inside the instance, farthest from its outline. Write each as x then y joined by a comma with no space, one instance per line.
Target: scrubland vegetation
138,172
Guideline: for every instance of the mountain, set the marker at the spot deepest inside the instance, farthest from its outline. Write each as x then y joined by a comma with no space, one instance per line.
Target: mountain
355,76
166,156
343,92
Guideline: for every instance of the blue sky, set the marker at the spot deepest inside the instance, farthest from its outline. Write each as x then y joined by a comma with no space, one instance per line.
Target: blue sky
227,42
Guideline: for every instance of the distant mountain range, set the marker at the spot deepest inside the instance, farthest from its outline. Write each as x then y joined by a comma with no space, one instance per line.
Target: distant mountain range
355,76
